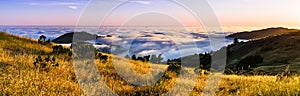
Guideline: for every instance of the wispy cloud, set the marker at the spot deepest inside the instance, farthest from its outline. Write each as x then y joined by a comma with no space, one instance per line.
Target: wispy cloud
52,3
73,7
70,5
140,1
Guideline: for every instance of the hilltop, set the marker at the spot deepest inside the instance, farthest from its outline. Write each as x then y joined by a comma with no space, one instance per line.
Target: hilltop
68,37
263,33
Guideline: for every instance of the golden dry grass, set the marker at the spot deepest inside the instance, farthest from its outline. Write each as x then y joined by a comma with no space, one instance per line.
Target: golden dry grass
18,76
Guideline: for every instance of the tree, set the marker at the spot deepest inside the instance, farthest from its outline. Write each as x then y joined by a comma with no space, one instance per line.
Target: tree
147,58
249,62
133,57
57,49
42,39
235,41
141,59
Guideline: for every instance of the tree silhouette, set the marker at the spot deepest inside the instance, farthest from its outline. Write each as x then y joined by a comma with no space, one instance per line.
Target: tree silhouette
133,57
42,39
147,58
235,41
249,62
141,59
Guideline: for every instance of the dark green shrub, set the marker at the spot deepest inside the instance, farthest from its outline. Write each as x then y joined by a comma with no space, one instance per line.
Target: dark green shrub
235,41
59,49
141,59
42,40
174,67
133,57
104,58
98,55
249,62
43,62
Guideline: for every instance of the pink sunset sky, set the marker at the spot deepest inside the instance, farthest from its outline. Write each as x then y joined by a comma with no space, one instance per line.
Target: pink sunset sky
229,12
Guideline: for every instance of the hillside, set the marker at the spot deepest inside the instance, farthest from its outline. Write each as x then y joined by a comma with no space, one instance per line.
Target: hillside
68,37
277,52
20,75
257,34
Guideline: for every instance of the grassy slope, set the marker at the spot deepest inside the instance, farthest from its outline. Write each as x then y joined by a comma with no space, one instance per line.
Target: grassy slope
277,51
19,77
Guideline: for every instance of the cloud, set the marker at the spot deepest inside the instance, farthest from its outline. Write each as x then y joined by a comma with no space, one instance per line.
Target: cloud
140,2
73,7
53,3
70,5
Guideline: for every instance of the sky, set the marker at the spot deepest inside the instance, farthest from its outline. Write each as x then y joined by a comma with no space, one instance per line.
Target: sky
229,12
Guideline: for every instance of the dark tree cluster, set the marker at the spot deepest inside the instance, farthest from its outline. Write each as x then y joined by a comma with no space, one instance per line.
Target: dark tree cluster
42,40
175,67
205,61
43,62
101,56
249,62
149,58
236,41
59,49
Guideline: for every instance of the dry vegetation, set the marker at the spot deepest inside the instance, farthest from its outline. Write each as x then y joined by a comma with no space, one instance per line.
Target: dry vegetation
19,76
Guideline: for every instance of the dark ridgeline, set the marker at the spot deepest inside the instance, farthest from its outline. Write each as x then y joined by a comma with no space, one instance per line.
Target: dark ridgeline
68,37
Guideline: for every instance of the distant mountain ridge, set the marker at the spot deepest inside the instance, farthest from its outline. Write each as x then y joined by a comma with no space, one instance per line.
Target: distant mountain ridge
263,33
68,37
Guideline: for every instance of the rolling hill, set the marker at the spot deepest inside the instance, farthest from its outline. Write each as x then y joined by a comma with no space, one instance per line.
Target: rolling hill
277,52
258,34
68,37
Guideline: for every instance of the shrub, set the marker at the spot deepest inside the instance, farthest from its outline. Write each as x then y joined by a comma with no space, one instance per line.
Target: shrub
249,62
201,71
141,59
42,40
174,67
104,58
43,62
133,57
235,41
60,50
147,58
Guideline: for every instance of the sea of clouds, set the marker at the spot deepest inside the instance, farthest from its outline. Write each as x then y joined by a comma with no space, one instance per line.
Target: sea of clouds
172,42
